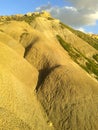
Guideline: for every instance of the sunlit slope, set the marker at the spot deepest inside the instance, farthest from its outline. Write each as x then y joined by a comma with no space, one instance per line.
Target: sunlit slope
67,93
81,48
20,31
53,27
8,40
19,106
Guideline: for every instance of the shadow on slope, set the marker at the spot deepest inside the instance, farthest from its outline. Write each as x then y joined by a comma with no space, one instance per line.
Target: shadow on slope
29,47
43,74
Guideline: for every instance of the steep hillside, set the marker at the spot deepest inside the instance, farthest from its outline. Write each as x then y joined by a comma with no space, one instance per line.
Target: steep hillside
49,74
78,46
82,48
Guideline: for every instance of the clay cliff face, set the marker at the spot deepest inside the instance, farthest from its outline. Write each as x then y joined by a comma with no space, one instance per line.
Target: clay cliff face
48,75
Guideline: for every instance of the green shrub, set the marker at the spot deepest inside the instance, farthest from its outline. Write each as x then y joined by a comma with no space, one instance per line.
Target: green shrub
72,52
90,66
64,44
95,57
50,18
25,18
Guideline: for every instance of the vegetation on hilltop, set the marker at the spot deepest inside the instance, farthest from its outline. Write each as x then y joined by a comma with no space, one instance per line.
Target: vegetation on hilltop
25,18
29,17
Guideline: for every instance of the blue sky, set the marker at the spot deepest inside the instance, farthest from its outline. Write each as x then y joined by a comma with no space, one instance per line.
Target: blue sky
8,7
80,14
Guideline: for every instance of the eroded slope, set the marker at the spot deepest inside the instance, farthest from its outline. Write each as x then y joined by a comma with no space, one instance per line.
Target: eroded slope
68,94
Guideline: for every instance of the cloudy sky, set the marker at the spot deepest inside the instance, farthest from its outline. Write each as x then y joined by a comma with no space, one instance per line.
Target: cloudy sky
80,14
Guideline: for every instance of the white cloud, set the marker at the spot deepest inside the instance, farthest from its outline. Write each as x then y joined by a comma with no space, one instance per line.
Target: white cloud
44,7
81,13
90,5
81,29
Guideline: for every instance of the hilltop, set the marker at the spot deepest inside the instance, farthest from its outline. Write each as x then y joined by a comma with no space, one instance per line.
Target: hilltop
95,36
48,75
